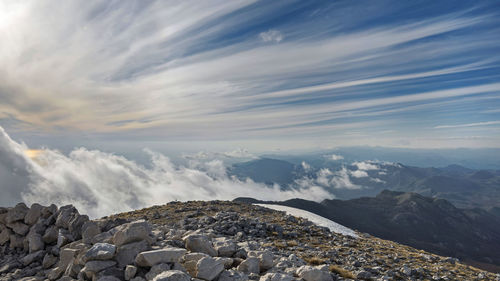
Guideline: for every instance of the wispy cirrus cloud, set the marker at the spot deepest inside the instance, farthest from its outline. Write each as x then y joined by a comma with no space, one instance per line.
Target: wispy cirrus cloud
487,123
178,70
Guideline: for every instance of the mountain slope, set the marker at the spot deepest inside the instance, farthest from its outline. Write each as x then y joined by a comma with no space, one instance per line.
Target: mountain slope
203,240
435,225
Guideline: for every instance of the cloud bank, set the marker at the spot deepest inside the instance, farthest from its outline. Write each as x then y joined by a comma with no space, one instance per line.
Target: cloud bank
100,183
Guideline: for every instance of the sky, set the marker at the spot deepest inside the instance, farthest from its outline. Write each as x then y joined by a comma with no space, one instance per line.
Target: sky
257,75
97,96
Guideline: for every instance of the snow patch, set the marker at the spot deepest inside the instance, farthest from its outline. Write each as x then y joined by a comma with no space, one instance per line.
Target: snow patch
319,220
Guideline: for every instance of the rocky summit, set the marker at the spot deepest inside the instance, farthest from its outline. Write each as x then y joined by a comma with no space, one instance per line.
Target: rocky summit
203,240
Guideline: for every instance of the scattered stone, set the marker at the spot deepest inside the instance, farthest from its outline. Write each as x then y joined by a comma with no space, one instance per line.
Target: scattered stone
18,227
156,270
127,253
232,275
48,261
200,243
172,275
151,258
276,277
309,273
33,214
132,232
100,251
93,267
89,230
209,268
130,272
250,265
225,242
50,235
17,213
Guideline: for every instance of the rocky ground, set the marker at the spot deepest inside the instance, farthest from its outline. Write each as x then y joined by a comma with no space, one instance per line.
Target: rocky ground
216,240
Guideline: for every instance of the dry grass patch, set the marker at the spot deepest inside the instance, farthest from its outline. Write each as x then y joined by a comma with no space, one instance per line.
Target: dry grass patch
315,261
342,272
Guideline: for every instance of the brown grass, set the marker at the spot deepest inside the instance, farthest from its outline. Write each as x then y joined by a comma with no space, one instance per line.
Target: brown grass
342,272
315,261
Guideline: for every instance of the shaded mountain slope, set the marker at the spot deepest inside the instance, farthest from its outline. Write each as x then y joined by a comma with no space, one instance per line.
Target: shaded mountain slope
472,235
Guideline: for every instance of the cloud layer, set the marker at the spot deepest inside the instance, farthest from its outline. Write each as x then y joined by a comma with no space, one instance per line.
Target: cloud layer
100,183
292,71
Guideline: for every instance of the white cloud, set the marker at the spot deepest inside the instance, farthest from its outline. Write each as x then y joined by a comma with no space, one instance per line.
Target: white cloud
122,69
99,183
366,165
271,36
338,179
377,180
335,157
306,166
488,123
359,174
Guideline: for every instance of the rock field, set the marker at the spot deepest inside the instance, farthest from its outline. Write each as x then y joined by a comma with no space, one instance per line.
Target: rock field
203,240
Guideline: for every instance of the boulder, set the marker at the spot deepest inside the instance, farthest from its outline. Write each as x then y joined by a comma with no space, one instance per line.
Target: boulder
126,254
276,277
110,272
165,255
200,243
190,261
33,214
75,225
46,212
89,230
55,273
66,214
250,265
103,237
17,213
209,268
16,241
18,227
5,234
172,275
50,235
35,242
28,259
3,215
309,273
100,251
232,275
108,278
225,247
156,270
132,232
228,262
63,238
130,272
48,261
66,256
265,259
92,267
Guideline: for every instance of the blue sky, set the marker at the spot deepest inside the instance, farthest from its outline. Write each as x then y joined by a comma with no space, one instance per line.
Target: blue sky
263,75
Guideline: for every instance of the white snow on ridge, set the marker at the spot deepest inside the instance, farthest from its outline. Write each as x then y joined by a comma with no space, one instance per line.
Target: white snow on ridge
319,220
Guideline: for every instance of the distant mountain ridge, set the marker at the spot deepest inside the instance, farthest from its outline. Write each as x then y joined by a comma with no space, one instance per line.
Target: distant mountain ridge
464,187
435,225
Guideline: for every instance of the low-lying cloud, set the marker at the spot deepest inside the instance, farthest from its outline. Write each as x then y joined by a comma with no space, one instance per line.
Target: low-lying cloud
100,183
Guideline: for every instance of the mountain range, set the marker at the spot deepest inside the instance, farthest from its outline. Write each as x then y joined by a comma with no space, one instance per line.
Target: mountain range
463,187
431,224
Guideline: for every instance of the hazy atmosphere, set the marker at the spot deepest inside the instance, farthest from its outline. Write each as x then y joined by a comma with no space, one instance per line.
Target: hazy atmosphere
107,102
